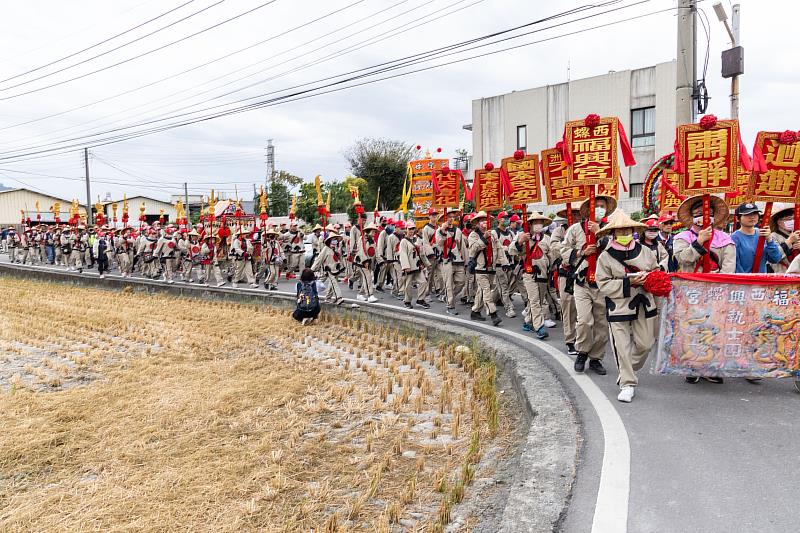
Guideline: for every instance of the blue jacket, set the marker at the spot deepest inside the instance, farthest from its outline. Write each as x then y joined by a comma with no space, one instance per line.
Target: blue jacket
746,252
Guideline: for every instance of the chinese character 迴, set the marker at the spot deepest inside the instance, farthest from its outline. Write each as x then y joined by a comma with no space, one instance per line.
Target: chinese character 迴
782,155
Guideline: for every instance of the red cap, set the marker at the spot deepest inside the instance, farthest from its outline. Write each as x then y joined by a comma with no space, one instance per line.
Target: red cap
432,212
651,223
666,217
502,214
514,218
399,224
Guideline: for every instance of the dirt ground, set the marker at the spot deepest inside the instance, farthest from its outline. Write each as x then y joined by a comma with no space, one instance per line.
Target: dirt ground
150,412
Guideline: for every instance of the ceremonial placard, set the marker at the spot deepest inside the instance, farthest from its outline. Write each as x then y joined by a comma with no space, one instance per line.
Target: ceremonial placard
731,325
593,149
488,187
446,188
523,176
669,200
557,184
422,195
777,176
742,195
708,157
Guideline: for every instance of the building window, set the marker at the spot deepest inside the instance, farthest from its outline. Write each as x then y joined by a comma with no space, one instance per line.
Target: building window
522,137
636,190
643,126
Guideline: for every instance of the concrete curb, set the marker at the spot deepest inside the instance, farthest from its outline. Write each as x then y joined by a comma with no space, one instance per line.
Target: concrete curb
548,457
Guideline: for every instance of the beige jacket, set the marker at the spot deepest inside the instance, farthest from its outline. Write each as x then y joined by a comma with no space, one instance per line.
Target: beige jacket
488,255
623,301
410,257
538,255
451,244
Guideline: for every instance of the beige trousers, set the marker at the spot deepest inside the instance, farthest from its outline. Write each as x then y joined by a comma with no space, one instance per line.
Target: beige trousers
537,300
501,288
243,269
631,343
483,293
568,313
592,328
409,280
454,280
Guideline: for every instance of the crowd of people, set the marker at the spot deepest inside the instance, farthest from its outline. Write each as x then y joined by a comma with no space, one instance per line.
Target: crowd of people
590,276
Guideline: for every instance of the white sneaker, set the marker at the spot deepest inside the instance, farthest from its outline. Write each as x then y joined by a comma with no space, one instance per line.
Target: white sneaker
305,321
254,285
372,299
361,298
549,323
510,313
626,394
220,284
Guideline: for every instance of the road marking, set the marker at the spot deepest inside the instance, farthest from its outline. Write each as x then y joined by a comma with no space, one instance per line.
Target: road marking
611,505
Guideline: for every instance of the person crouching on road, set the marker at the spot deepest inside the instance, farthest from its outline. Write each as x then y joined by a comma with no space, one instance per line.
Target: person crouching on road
485,254
412,264
307,293
630,310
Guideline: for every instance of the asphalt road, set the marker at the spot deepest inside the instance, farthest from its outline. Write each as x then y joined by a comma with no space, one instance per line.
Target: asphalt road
704,457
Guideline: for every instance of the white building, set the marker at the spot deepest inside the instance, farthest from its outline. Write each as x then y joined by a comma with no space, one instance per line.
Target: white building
533,119
152,210
13,202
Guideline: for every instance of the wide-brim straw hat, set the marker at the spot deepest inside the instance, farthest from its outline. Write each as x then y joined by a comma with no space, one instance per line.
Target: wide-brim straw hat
535,216
563,213
193,233
332,235
779,211
619,219
317,227
370,227
719,210
611,206
479,215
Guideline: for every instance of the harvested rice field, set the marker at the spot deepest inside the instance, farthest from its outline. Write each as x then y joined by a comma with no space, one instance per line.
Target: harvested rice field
150,412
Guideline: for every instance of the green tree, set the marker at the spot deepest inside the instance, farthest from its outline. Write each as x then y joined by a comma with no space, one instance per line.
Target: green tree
382,164
286,178
278,199
307,203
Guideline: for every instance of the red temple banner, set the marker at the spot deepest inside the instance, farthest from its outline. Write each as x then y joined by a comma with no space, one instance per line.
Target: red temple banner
707,157
523,177
731,325
422,194
670,199
557,183
488,190
446,192
592,150
777,168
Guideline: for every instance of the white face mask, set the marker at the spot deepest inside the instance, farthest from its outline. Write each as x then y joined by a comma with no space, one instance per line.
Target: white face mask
788,225
537,228
699,221
599,212
651,234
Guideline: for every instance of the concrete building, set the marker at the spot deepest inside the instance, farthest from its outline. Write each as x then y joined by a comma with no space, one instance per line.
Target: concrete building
15,201
533,119
152,210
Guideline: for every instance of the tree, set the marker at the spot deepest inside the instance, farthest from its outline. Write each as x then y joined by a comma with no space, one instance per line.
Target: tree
382,164
307,203
278,199
286,178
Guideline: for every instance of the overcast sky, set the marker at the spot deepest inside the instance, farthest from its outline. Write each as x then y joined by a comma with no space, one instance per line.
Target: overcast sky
427,108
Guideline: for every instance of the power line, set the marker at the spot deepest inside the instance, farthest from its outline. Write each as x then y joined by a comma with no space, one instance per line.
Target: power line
128,60
36,69
317,91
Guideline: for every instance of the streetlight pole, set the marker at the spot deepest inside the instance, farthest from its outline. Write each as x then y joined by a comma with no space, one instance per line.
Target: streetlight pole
733,33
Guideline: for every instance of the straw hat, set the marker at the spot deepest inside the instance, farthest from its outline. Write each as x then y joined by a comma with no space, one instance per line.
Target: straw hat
193,233
245,231
536,216
332,235
270,231
719,210
779,211
479,215
448,211
620,220
317,227
611,206
370,227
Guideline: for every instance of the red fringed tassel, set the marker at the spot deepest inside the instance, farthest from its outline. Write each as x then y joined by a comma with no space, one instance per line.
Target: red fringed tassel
658,283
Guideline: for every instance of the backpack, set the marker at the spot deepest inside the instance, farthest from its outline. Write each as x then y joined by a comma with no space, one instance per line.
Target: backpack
307,297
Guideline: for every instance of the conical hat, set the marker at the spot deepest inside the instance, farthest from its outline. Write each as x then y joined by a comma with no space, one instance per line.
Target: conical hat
535,216
317,227
563,213
479,215
193,233
780,211
332,235
369,227
611,206
620,220
719,210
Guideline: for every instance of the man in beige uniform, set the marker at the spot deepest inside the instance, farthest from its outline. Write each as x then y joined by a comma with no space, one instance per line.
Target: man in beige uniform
592,327
413,264
503,276
452,249
392,258
631,311
272,257
533,248
360,258
241,251
485,255
328,265
428,236
568,312
296,250
167,251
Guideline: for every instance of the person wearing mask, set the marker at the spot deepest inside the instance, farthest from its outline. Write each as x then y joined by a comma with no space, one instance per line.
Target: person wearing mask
689,245
328,265
590,307
358,255
428,236
746,240
630,310
272,258
666,221
533,248
505,238
412,264
785,235
382,252
649,239
485,255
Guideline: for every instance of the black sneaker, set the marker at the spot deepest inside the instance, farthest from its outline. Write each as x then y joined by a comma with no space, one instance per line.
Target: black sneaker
379,288
714,379
597,366
464,300
423,304
692,379
496,320
451,311
408,305
580,362
474,315
571,349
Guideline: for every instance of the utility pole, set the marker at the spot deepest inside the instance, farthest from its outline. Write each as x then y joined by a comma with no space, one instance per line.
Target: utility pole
735,80
186,202
270,161
686,81
89,219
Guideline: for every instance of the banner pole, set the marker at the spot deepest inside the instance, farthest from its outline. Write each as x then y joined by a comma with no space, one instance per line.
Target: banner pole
591,238
707,223
569,214
796,227
762,240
